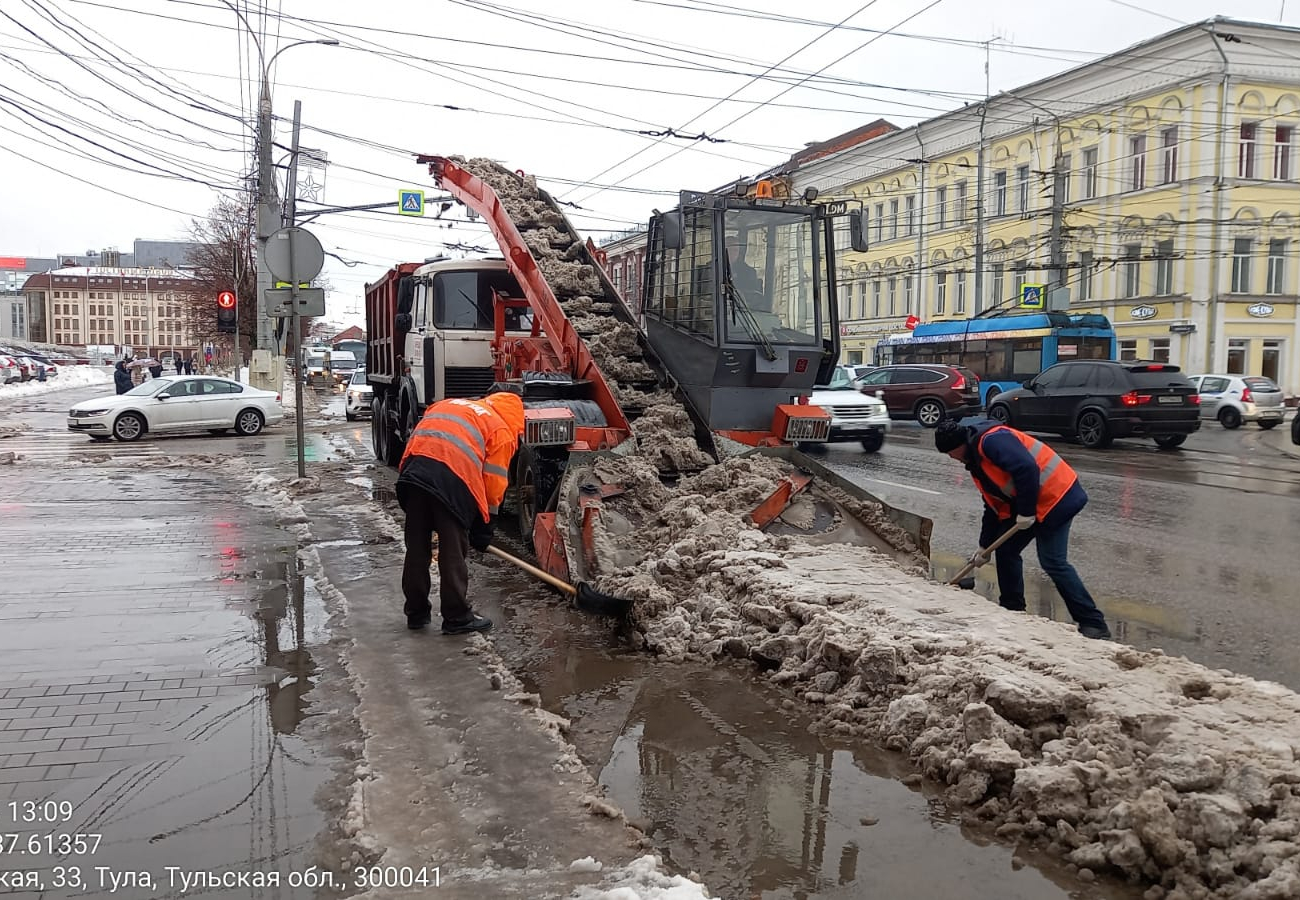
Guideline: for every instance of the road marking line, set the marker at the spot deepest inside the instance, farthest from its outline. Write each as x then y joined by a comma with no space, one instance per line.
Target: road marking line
906,487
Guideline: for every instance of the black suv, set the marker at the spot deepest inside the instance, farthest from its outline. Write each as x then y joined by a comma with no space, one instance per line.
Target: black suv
1100,400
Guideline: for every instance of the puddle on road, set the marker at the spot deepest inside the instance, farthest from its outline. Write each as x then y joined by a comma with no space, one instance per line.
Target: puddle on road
729,783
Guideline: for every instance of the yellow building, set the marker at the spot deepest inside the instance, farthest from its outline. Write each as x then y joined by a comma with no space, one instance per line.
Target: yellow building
1159,186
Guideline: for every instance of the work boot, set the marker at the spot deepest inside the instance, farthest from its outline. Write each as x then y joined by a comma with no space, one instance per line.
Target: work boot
473,624
416,622
1097,633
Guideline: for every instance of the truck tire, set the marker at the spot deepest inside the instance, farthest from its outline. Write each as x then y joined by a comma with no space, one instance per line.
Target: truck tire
377,416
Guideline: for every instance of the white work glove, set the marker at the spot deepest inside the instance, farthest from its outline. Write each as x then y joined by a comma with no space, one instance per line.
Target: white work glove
1024,523
979,558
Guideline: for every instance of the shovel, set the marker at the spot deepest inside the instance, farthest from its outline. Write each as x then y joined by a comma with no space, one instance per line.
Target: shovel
963,579
587,598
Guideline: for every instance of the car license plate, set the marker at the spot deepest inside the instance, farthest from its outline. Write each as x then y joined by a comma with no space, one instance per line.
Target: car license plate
1171,399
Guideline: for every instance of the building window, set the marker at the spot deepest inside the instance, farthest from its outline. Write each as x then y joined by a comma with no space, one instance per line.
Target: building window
1271,365
941,208
1160,350
1238,353
1085,275
1020,277
1137,152
1128,350
1064,167
880,222
1132,270
940,293
846,299
1282,153
875,299
907,294
999,193
1022,189
1241,266
1090,173
1276,267
959,306
1169,155
909,206
959,205
1246,152
893,219
1164,268
893,296
999,282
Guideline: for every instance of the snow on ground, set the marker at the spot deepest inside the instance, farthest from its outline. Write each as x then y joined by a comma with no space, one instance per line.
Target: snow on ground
1125,762
642,879
68,377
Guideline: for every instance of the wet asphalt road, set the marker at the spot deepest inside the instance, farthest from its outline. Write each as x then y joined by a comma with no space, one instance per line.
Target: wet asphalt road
1189,551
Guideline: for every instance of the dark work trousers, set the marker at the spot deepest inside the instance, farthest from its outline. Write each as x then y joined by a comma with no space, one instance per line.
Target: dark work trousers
1053,544
425,516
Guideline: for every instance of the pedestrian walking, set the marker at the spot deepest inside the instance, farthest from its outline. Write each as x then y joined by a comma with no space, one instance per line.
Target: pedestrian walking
1027,486
155,371
452,479
122,378
180,364
189,366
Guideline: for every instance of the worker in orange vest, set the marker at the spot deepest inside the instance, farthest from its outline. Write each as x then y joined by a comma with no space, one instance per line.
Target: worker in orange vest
452,479
1025,485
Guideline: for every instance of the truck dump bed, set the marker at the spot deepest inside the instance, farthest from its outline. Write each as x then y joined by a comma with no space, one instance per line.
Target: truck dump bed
384,344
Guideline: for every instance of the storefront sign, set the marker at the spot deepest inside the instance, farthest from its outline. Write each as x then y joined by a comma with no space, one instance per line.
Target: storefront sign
1067,349
1185,328
1260,310
1143,312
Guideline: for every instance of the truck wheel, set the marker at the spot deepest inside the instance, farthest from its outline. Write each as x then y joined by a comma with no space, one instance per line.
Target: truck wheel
377,437
873,443
527,477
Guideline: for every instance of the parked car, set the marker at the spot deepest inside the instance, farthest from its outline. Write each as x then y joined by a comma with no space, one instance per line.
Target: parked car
1295,428
177,403
9,372
1097,401
858,370
1233,399
854,416
927,393
359,395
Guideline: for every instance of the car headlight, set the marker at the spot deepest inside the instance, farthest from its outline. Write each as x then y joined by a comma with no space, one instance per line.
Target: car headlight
353,395
85,413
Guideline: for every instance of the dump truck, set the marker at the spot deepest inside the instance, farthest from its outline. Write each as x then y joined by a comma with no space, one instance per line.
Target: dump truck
740,322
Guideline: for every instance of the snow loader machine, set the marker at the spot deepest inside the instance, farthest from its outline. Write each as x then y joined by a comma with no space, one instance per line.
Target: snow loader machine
739,322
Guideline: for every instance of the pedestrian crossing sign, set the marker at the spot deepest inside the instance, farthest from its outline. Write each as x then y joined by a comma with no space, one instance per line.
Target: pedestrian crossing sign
410,203
1033,296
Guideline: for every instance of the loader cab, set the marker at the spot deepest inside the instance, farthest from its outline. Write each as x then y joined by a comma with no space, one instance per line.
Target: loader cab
449,333
738,303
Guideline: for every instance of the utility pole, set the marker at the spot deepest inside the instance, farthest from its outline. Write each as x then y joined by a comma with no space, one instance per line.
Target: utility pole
1057,293
979,215
268,220
292,190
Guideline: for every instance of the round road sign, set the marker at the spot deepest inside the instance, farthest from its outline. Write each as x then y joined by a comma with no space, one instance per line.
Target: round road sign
294,255
226,299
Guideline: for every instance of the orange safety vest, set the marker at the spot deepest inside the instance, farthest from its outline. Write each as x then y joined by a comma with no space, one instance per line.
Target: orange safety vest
474,441
1054,480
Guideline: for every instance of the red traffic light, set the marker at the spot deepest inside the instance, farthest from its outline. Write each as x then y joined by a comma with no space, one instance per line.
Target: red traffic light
226,299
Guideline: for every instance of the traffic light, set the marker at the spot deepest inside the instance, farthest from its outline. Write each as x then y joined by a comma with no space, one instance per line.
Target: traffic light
226,312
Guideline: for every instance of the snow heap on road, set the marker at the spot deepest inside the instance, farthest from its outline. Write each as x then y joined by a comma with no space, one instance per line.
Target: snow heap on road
642,879
1125,762
68,377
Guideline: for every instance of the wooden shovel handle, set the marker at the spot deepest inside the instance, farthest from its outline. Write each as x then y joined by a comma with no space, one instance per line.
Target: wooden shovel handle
534,571
970,567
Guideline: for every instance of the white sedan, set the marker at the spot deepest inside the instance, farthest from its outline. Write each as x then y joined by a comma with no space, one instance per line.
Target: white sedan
177,403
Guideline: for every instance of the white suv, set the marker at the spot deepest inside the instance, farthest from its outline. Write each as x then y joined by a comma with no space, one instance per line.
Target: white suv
359,395
1233,399
855,416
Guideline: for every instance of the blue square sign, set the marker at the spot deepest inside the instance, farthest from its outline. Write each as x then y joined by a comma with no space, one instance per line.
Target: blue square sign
1032,296
410,203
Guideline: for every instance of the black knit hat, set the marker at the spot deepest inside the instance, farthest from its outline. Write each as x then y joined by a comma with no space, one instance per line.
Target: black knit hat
949,436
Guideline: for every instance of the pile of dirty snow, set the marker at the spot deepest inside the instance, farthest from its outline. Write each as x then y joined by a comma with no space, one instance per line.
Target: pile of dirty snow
641,879
68,377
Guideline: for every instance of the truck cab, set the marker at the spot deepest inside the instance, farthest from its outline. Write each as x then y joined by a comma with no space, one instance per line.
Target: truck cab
430,330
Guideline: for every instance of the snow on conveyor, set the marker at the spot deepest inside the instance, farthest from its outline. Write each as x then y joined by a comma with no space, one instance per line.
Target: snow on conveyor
1127,763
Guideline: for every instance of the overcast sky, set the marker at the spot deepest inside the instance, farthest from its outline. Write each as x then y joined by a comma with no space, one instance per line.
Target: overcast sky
93,93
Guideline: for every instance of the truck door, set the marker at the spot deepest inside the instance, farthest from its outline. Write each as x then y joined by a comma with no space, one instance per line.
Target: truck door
418,340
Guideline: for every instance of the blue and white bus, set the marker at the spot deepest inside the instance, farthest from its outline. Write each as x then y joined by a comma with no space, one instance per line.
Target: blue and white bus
1003,351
